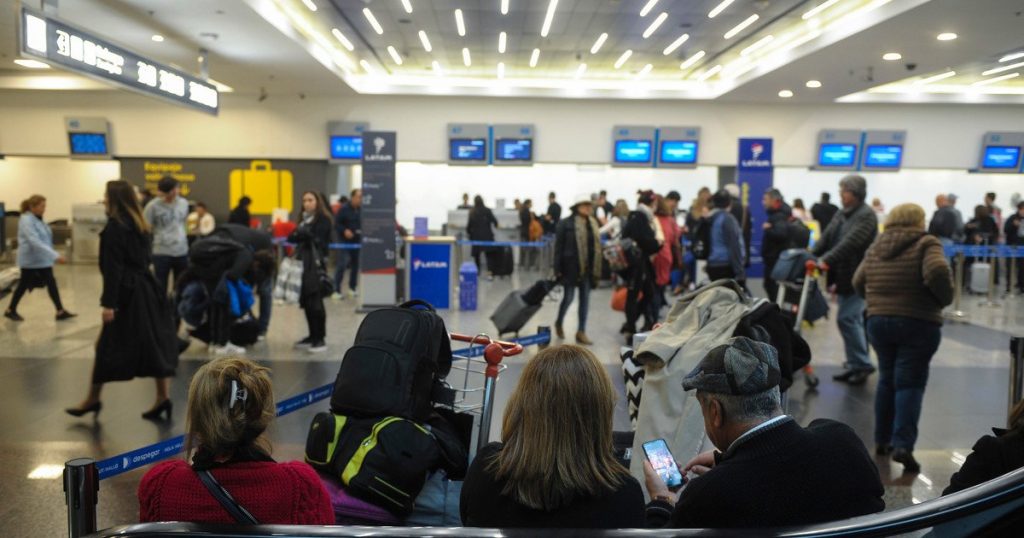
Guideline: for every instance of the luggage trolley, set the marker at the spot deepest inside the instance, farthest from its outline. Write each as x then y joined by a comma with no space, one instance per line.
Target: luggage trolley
804,287
488,367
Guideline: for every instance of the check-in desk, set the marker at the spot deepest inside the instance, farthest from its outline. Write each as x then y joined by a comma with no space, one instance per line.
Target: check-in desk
87,221
430,270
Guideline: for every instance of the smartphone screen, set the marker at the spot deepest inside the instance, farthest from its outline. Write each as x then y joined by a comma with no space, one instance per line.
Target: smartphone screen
664,464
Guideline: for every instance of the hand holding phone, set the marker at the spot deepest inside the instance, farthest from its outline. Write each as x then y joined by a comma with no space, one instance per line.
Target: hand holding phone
664,463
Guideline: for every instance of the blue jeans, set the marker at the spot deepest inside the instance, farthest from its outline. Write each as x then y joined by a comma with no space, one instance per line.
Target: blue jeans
347,258
164,265
851,326
570,290
266,292
905,346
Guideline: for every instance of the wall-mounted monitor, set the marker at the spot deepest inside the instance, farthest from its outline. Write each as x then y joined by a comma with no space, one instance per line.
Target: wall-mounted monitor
678,152
837,155
467,149
513,149
88,144
347,148
633,151
1001,157
883,156
89,138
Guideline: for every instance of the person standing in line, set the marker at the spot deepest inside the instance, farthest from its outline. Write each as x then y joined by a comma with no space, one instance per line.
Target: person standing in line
700,208
348,225
799,211
840,251
553,214
944,222
138,337
960,222
642,228
240,214
36,257
668,257
200,223
906,281
312,238
741,213
166,215
480,227
878,208
530,230
726,257
465,201
616,220
1014,230
577,263
777,237
824,210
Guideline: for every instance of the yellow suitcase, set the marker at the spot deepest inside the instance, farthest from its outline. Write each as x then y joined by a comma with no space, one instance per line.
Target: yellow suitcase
268,188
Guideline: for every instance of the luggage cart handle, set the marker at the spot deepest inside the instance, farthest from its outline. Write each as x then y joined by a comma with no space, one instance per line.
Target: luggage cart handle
495,351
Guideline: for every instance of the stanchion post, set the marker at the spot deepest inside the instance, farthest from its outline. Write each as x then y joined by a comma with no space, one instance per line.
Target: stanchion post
990,299
958,286
1016,391
81,489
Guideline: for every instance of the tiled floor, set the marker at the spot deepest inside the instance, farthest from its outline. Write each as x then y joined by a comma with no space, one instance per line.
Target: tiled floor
47,367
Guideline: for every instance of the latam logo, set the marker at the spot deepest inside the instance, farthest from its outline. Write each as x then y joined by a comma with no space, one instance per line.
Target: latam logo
378,145
755,161
756,150
418,264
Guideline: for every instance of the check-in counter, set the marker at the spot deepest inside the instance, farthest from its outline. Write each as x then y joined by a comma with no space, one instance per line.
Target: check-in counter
87,221
430,270
507,230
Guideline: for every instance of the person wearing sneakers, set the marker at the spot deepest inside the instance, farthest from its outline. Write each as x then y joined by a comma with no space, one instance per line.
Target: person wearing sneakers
36,257
312,238
577,262
347,223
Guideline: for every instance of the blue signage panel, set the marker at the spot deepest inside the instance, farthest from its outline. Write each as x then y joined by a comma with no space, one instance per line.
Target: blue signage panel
883,156
347,147
633,151
88,143
755,175
1002,157
430,273
679,151
514,149
468,149
837,155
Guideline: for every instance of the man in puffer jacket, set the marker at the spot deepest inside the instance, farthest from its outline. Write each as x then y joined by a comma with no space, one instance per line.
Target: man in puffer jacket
840,251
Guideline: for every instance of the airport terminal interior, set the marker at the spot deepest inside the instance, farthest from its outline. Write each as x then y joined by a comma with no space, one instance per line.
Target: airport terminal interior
419,130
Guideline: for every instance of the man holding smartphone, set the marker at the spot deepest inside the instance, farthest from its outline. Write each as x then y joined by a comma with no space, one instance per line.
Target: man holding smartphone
769,471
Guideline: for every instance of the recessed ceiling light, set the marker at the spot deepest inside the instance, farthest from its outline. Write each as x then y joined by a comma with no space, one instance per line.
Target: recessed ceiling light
501,69
692,60
465,57
813,84
996,79
373,21
757,44
741,26
580,70
548,17
31,64
1011,57
1001,69
597,44
946,36
394,55
935,78
892,56
504,7
710,73
719,8
534,57
654,25
675,44
647,8
622,59
366,66
425,41
437,68
158,38
786,94
460,24
407,5
643,72
818,9
344,40
309,4
502,41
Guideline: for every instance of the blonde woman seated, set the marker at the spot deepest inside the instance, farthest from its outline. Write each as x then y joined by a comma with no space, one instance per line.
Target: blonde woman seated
555,467
230,405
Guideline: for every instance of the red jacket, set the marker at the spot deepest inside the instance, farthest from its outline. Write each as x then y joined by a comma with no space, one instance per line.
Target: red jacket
281,493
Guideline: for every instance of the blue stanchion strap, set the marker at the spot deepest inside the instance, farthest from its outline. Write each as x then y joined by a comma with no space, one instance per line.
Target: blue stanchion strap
478,351
503,243
331,246
986,251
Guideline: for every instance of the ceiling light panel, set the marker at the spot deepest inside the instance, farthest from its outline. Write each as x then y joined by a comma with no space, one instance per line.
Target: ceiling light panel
892,56
813,84
710,73
946,36
394,54
643,72
1011,57
692,60
935,78
581,70
504,7
460,23
654,25
501,69
534,58
996,79
719,8
1002,69
310,4
648,7
466,60
549,17
343,39
741,26
786,94
597,44
622,59
502,42
373,21
757,45
407,5
675,44
814,11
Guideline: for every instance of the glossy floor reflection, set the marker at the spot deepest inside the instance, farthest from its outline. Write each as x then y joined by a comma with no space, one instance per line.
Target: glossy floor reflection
47,366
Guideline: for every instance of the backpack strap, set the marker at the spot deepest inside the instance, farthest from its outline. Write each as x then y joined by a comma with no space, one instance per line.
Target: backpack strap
237,511
417,304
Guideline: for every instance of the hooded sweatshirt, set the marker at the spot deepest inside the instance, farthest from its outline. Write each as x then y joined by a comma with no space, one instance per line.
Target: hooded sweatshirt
905,273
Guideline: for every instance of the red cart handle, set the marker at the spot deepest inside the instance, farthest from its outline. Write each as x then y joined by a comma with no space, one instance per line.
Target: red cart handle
493,353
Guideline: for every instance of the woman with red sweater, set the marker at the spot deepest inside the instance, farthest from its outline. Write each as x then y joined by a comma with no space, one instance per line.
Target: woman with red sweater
230,405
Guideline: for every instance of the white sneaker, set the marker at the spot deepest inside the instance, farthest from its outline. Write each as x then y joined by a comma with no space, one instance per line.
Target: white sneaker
318,347
337,296
228,349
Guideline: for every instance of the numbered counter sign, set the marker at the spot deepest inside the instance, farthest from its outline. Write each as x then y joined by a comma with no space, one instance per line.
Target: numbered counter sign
268,188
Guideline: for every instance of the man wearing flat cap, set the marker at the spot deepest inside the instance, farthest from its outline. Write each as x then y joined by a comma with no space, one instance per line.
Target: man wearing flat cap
768,471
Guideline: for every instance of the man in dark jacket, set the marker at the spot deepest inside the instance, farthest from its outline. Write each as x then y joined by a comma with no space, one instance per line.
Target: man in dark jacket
840,251
768,471
945,223
553,214
823,211
741,213
1014,231
261,249
777,236
577,262
240,214
348,225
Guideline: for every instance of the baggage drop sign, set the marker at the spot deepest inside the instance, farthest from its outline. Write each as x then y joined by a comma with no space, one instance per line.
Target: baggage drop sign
269,189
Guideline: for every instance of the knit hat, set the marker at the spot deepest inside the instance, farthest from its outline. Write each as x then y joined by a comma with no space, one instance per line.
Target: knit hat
739,367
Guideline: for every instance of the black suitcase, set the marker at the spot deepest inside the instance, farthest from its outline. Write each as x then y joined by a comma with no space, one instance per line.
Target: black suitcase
513,313
499,261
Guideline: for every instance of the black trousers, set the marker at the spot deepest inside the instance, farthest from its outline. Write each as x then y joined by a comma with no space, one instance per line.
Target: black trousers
35,278
316,319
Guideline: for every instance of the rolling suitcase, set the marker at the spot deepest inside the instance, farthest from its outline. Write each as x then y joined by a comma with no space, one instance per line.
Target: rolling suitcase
513,313
979,277
499,261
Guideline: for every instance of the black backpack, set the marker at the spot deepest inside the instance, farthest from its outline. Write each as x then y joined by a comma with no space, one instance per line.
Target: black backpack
397,365
210,256
799,234
701,243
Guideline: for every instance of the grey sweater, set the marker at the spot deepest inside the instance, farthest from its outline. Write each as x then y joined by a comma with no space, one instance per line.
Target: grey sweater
168,223
844,243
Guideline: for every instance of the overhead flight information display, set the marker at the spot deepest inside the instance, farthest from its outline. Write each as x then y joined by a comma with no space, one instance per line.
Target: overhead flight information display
58,43
632,151
347,147
1002,157
88,143
514,149
679,151
837,155
468,149
887,156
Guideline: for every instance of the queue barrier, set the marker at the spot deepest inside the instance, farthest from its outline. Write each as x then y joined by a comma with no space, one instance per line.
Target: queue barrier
959,254
83,475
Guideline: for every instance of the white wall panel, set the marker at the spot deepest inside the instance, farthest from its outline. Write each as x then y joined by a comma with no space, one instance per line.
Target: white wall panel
62,181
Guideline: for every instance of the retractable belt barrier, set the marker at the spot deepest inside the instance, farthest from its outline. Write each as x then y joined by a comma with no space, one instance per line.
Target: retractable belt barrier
536,244
282,242
986,251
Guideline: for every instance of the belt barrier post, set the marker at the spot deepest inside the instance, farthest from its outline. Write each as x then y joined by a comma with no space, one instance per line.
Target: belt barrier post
958,287
81,489
990,300
1016,391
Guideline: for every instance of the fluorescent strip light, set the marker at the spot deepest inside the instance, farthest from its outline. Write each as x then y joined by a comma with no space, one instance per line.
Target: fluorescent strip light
344,40
786,94
692,60
741,26
597,44
647,8
757,44
580,70
1010,57
935,78
654,25
460,24
437,68
366,66
394,55
465,57
710,73
622,59
643,72
994,80
548,17
502,41
373,21
818,9
501,69
31,64
407,5
1001,69
946,36
425,41
719,8
309,4
675,44
534,57
504,7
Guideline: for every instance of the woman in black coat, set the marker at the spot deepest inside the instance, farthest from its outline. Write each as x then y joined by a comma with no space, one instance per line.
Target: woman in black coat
138,334
993,456
479,227
640,228
313,236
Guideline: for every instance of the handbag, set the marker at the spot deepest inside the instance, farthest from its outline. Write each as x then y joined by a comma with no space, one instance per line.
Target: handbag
618,253
237,511
326,284
288,285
